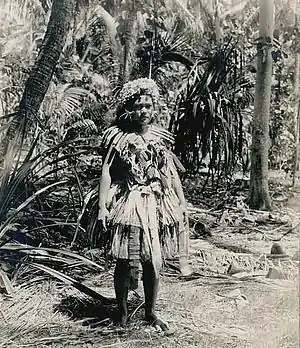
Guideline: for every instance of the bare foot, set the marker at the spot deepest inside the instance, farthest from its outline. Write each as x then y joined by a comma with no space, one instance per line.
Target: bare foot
156,322
121,321
184,266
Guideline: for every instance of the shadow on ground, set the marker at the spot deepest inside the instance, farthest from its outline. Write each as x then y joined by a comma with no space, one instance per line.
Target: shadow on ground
92,312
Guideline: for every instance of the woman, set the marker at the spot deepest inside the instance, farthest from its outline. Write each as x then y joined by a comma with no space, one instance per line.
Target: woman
141,197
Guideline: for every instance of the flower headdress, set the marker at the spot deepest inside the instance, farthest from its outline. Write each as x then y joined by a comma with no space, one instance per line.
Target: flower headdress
138,87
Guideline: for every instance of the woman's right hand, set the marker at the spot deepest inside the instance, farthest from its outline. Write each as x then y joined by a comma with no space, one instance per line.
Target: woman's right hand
103,215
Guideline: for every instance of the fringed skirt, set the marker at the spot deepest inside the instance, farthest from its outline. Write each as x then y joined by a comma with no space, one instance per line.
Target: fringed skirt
145,227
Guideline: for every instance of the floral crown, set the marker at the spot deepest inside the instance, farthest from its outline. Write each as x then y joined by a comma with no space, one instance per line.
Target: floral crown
138,87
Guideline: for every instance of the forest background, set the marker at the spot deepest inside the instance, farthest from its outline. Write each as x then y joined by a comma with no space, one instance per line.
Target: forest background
62,66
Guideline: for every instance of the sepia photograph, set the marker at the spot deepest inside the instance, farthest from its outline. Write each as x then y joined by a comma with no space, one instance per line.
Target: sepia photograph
149,173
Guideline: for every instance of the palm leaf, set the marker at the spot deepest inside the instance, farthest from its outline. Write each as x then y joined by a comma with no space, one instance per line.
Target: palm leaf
68,100
40,250
208,121
85,126
22,206
86,201
12,183
70,281
7,283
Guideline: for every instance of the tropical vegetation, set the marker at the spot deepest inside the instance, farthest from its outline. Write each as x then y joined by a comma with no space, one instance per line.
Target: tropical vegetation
61,68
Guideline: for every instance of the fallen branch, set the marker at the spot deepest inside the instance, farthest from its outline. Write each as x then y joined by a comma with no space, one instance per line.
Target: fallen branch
267,236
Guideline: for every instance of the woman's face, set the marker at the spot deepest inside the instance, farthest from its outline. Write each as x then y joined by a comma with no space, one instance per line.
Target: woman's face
143,110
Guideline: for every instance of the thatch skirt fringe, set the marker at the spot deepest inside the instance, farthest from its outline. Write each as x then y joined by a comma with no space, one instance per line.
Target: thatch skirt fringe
144,226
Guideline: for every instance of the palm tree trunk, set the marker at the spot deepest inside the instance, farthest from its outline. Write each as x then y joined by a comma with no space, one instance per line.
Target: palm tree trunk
37,83
259,197
211,6
217,22
296,99
296,116
129,44
41,74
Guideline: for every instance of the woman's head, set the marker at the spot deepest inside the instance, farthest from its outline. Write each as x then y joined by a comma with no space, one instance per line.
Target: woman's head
137,101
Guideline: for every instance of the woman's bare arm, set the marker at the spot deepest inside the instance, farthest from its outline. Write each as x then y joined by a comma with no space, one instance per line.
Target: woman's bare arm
105,182
178,189
104,186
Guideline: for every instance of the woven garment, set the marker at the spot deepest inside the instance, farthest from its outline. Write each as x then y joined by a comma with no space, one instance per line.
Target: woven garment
145,200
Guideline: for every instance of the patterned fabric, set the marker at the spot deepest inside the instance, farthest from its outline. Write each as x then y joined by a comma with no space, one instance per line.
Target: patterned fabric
145,198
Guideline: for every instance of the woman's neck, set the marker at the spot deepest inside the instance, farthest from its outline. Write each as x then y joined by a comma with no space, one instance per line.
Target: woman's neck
144,129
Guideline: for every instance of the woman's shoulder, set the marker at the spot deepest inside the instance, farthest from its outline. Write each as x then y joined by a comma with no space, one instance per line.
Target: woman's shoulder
116,138
162,134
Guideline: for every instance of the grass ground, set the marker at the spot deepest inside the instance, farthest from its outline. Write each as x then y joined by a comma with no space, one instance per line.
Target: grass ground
212,310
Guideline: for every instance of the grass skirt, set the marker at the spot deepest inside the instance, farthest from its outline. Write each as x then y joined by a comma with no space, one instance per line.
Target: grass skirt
158,221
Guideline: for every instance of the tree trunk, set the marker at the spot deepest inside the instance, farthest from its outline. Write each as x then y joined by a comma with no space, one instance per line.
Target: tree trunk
211,6
296,99
42,72
129,44
296,116
259,197
217,22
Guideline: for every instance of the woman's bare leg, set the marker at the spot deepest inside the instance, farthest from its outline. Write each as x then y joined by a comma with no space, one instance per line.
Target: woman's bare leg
151,282
122,282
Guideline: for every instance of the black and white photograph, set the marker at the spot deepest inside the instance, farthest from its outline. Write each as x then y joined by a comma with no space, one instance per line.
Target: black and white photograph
149,173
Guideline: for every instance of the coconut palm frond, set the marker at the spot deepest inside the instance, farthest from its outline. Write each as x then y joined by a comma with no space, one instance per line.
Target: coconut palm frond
6,282
83,127
5,225
69,99
89,196
14,169
51,253
27,177
13,181
164,43
70,281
